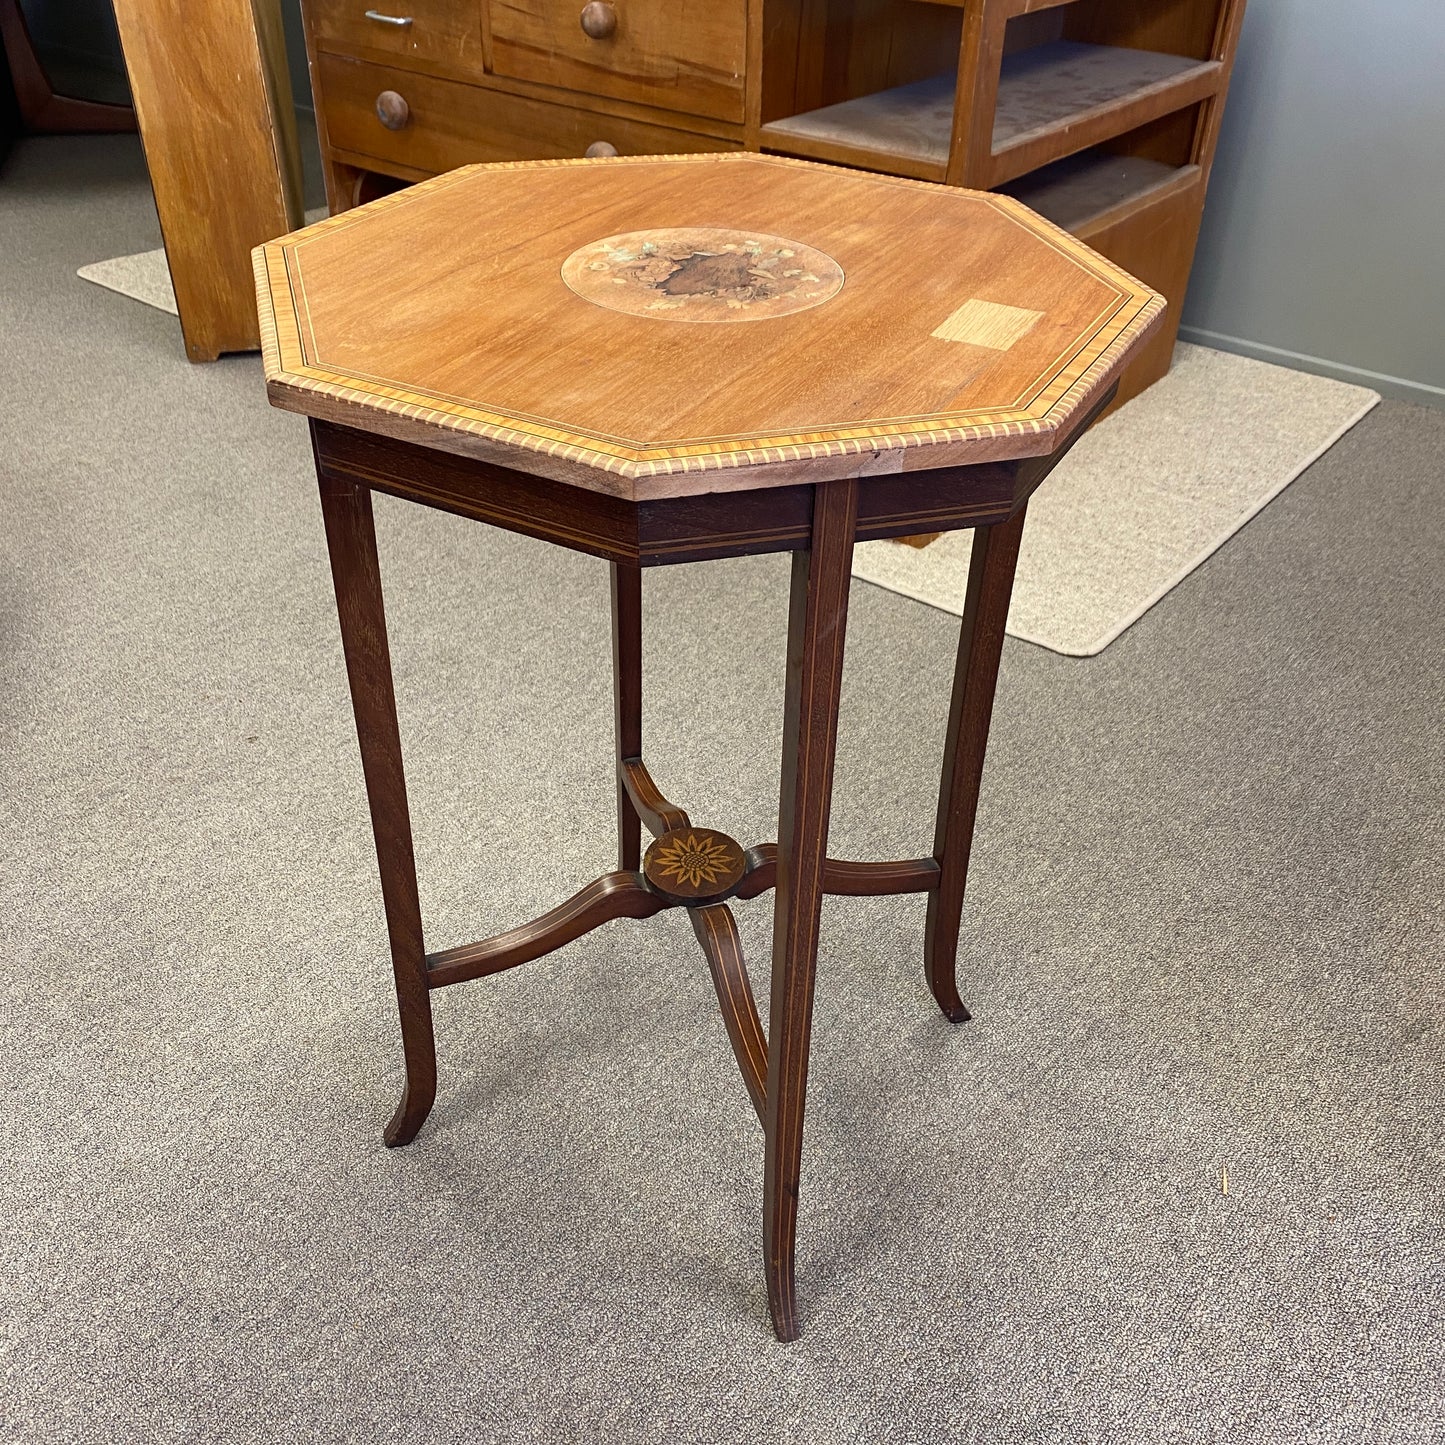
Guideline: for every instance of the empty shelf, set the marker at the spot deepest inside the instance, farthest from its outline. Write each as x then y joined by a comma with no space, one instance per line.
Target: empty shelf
1085,192
905,130
1053,101
1063,97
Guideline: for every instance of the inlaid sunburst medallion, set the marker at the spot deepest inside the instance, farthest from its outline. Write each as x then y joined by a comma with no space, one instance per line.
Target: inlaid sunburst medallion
694,863
703,274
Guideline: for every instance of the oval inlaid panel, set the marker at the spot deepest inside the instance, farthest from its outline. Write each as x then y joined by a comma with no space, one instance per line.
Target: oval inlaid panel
703,273
694,864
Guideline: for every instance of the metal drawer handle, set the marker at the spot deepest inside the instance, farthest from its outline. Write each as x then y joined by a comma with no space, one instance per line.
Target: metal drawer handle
400,21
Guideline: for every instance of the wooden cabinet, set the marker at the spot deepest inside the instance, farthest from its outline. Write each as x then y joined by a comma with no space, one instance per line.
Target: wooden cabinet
1100,114
442,31
436,125
687,58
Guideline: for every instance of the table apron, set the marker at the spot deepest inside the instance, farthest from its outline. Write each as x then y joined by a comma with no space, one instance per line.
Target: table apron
669,530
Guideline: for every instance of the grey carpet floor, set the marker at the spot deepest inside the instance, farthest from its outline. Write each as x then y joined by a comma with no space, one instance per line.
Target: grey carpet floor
1204,932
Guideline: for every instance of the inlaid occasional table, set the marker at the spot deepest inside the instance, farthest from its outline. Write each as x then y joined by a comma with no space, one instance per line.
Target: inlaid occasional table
661,360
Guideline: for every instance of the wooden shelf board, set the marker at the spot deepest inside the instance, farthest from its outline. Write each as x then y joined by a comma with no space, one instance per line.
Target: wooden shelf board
905,130
1015,7
1064,97
1053,101
1087,193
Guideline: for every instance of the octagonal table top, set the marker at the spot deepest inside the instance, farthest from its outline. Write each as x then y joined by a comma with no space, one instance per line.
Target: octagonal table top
663,326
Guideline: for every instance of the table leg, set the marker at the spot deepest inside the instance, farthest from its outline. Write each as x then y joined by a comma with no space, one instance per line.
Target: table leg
351,539
627,696
818,613
980,645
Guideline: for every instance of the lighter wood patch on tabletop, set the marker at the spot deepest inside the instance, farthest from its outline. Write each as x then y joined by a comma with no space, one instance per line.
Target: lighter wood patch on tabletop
986,323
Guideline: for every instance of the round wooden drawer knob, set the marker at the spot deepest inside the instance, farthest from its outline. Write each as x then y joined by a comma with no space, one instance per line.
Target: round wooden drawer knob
599,20
600,148
392,110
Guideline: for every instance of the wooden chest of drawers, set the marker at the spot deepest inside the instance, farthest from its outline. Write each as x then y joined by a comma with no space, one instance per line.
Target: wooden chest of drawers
437,125
1101,114
687,58
441,32
404,90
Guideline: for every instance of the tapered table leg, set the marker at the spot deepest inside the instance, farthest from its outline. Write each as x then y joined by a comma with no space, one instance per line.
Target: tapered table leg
627,696
351,539
817,617
980,646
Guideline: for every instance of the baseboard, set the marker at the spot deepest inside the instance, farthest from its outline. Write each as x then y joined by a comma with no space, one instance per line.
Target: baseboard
1399,387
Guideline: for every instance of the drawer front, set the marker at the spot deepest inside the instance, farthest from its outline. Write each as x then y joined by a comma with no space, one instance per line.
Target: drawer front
437,125
655,52
445,30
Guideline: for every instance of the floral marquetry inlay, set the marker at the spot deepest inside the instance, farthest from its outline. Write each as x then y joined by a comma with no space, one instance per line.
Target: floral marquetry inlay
504,312
694,863
702,274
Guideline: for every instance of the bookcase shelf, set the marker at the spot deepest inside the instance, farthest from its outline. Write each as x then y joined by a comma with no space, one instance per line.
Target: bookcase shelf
1053,100
1103,115
1090,192
1056,99
905,131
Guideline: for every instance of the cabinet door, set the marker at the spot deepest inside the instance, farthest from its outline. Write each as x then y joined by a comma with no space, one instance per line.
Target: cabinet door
684,57
444,30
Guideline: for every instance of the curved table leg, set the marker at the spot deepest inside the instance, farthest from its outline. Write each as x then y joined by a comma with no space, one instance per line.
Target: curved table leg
627,698
817,617
980,645
717,931
351,540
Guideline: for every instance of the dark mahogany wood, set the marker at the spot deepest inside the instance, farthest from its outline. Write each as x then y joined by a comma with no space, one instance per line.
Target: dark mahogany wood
817,621
980,646
627,700
647,800
843,876
614,895
717,931
819,524
867,880
694,865
669,529
681,529
356,573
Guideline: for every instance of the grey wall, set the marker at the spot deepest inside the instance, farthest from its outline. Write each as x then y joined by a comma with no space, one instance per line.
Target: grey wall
1324,238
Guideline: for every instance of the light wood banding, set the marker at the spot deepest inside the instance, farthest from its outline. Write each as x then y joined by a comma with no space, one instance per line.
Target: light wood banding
696,409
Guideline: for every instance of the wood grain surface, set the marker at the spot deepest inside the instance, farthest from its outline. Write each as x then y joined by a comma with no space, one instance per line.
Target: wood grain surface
817,624
694,865
213,99
614,895
626,594
356,575
689,58
439,315
452,124
717,932
980,647
662,530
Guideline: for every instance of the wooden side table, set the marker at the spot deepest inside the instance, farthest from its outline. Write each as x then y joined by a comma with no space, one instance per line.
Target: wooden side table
663,360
